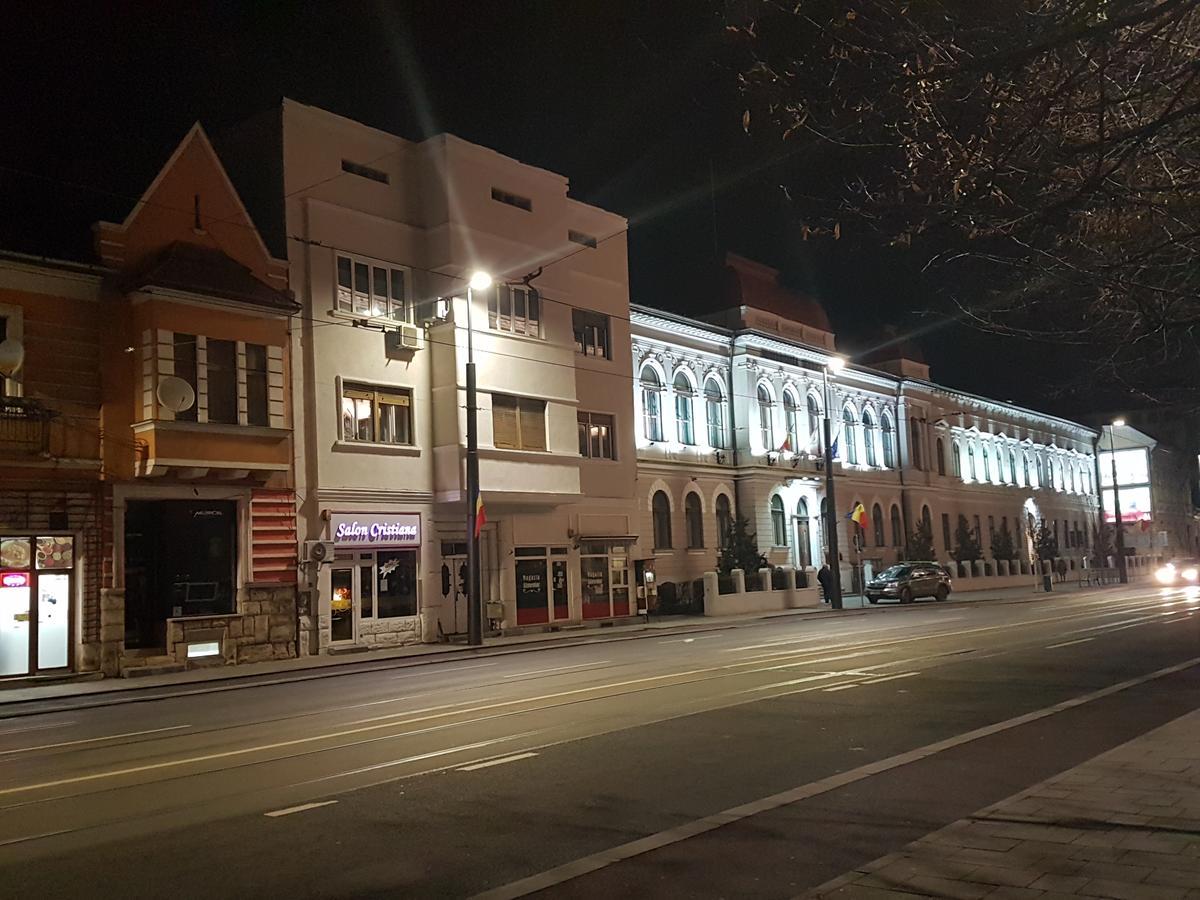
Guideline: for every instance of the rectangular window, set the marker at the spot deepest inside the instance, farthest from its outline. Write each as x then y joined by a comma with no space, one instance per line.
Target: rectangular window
376,415
512,199
257,406
364,171
222,382
591,333
371,289
518,423
516,310
396,593
580,237
596,436
185,368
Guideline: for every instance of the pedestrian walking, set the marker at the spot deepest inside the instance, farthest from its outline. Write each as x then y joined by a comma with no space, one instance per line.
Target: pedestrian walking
824,577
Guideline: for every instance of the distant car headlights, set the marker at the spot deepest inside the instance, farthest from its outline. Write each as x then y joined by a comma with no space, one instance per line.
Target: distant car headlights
1190,574
1167,574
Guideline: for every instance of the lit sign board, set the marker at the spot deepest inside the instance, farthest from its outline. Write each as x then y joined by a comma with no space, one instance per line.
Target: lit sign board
201,649
375,530
14,579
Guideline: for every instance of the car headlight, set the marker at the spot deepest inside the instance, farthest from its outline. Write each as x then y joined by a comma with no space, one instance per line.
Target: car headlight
1190,573
1166,575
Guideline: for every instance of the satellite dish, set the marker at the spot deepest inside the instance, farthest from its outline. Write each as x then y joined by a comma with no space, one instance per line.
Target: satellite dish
175,394
12,354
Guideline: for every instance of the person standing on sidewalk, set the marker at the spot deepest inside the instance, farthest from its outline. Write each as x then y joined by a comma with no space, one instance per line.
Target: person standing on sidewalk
824,576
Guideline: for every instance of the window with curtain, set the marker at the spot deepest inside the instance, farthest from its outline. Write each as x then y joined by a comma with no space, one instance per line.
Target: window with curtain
651,404
897,528
714,408
222,382
694,521
683,409
660,512
778,522
971,462
914,432
877,524
791,419
816,425
941,457
724,520
849,438
766,426
987,466
888,434
803,540
956,459
868,424
518,423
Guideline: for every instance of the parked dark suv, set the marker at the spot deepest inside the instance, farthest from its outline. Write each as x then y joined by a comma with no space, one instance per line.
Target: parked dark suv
908,581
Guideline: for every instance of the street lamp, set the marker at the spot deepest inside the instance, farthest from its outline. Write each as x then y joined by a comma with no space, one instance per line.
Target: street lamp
480,281
1122,570
835,364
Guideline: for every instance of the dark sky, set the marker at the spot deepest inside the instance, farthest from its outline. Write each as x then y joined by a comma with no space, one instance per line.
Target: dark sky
630,99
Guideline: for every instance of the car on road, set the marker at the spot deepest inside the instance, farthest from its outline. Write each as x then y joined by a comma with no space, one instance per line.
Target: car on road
908,581
1179,571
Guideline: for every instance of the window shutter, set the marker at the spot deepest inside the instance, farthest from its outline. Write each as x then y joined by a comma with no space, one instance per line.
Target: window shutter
533,424
504,421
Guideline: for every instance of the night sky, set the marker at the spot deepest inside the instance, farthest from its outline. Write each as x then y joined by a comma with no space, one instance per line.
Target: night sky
634,101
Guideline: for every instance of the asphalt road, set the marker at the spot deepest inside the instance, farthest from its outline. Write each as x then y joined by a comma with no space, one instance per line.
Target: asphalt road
755,761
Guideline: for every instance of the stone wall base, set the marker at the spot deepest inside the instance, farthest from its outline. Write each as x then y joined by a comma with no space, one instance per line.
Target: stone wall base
263,628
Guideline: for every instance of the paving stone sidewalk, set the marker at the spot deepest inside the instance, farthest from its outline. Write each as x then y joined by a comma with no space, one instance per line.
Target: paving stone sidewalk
1123,825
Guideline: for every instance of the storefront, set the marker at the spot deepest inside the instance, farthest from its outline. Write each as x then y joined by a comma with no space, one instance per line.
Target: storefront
604,577
541,585
373,578
37,592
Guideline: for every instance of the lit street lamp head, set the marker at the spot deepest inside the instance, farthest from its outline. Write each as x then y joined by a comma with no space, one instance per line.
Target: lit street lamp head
836,363
1118,423
480,281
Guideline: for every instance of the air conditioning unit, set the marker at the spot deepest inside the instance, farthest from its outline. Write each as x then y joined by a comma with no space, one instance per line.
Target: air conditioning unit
318,551
402,341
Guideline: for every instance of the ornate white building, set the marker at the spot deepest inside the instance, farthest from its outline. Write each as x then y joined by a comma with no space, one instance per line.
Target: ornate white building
730,418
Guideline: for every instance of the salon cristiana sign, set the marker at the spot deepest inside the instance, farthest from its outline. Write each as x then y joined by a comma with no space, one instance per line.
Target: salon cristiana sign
375,530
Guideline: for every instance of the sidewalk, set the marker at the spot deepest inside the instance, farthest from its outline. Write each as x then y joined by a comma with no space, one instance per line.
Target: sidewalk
310,667
1125,824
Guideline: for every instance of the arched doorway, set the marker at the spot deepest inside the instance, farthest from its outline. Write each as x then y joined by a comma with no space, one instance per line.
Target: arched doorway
802,551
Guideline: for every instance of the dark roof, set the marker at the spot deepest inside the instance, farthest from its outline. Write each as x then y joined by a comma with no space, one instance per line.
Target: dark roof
205,270
749,283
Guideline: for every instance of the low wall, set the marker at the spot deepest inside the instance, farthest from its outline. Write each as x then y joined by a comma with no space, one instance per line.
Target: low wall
263,628
745,602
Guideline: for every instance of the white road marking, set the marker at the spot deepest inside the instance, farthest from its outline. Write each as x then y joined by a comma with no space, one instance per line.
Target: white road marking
767,687
689,640
841,687
597,861
34,837
1069,643
439,669
295,809
35,728
422,756
107,737
497,762
598,662
891,677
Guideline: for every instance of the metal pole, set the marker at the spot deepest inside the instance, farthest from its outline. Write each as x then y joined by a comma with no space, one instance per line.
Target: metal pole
1122,570
831,516
474,610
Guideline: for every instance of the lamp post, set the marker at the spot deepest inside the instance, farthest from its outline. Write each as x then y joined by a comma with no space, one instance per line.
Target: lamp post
480,281
836,363
1122,570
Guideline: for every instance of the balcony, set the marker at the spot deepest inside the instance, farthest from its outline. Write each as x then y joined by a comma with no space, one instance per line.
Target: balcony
24,427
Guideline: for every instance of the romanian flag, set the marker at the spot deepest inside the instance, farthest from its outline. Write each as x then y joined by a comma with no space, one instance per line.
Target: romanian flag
480,514
858,516
786,446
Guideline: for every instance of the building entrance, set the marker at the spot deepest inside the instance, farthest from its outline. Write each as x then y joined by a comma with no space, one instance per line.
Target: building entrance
37,587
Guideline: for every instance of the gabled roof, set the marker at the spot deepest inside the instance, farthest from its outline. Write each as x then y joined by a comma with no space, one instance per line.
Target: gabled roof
194,269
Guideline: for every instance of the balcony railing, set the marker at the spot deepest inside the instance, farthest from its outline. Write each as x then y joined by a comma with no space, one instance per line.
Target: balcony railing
24,426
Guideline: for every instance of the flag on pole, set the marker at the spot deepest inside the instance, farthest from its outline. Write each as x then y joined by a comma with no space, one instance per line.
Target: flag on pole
786,446
480,514
858,516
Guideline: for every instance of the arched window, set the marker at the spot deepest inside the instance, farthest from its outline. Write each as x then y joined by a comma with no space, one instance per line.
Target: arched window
714,409
724,520
791,421
877,524
815,425
1025,469
1071,476
971,462
888,434
778,522
927,518
897,530
693,520
651,404
766,409
1041,470
849,441
987,466
803,541
941,456
1001,475
684,392
1012,465
914,438
868,421
956,459
660,509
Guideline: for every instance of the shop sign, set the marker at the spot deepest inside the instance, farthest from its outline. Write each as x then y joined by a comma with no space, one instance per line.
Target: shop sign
375,530
14,579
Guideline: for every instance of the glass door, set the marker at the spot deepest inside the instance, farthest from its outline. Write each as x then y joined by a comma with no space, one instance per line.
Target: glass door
343,602
37,569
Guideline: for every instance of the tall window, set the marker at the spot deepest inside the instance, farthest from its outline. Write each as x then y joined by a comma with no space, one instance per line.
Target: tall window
941,457
1025,469
694,521
370,288
660,511
888,434
778,522
956,459
1012,465
803,540
1071,477
766,409
516,310
816,425
222,382
185,368
971,462
897,529
1001,476
591,333
683,409
987,466
868,422
724,520
1041,469
595,435
257,395
518,423
714,411
791,420
877,524
927,518
914,433
849,438
651,405
376,416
